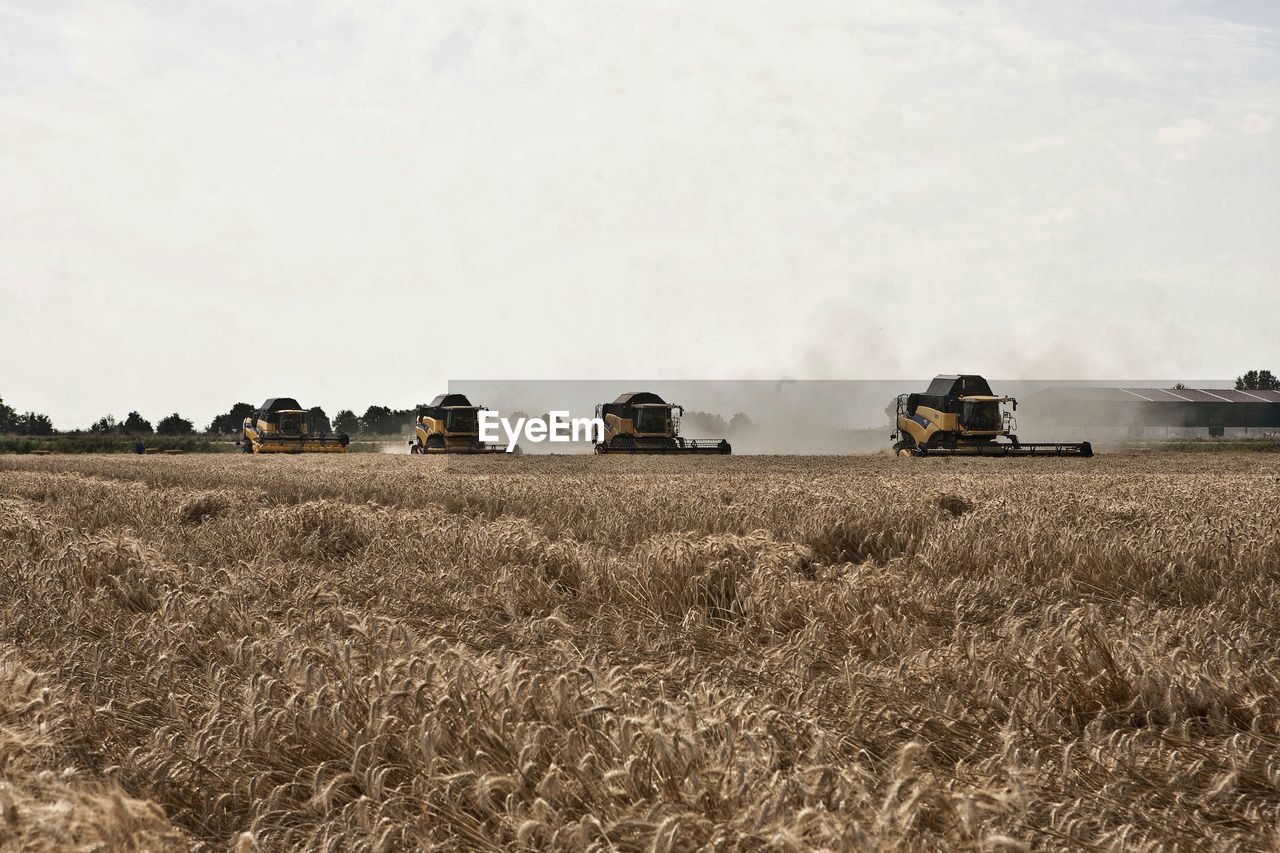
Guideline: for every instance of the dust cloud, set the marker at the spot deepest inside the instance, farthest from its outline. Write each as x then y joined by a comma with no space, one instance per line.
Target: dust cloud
810,417
756,416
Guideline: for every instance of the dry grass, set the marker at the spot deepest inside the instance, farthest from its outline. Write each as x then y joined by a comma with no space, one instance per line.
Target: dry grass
639,654
49,800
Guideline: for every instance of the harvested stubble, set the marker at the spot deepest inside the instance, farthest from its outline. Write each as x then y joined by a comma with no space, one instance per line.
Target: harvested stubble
639,654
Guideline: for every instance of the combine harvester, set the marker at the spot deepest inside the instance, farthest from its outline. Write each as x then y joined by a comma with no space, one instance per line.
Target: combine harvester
280,425
641,422
450,424
959,416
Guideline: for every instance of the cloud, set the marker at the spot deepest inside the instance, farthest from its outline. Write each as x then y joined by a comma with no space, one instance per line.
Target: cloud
1044,143
1183,138
822,189
1255,124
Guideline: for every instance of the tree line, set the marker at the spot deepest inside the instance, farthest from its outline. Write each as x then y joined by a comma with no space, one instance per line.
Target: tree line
37,424
28,423
376,420
134,424
1258,380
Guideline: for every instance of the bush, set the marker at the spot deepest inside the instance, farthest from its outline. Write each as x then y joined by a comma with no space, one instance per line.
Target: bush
175,424
233,421
136,424
105,424
110,443
346,421
8,418
1258,380
33,423
318,421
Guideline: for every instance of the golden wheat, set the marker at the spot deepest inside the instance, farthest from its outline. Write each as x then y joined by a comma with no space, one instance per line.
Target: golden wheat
380,653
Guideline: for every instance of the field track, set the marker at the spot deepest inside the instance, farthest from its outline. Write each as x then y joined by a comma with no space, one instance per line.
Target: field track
388,652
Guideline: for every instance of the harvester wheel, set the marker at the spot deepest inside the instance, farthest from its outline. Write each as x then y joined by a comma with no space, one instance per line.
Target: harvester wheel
435,442
247,446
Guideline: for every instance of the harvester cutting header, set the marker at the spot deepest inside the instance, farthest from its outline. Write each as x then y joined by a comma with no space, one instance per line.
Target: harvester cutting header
642,422
959,416
280,425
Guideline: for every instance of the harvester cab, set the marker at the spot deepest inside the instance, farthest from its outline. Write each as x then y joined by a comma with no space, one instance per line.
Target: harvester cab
642,422
280,425
449,424
958,415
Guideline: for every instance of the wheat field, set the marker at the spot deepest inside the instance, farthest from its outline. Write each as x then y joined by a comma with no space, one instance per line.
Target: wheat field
649,654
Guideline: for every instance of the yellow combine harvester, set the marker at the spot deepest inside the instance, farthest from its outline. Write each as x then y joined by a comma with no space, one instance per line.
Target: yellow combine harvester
449,424
280,425
641,422
959,416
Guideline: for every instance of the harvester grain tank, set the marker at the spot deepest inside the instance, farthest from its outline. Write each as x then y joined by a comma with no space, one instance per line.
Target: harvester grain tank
449,424
959,416
642,422
280,425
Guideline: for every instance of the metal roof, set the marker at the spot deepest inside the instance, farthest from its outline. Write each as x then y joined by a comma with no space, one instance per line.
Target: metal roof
1182,407
1249,396
1167,395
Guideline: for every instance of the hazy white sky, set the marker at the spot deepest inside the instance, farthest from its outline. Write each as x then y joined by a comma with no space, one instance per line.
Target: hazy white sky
352,202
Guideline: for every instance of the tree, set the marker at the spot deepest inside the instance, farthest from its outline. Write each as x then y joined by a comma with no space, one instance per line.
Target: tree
346,421
136,423
8,418
1179,387
318,420
105,424
175,424
34,424
703,424
1257,380
740,421
232,421
379,420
